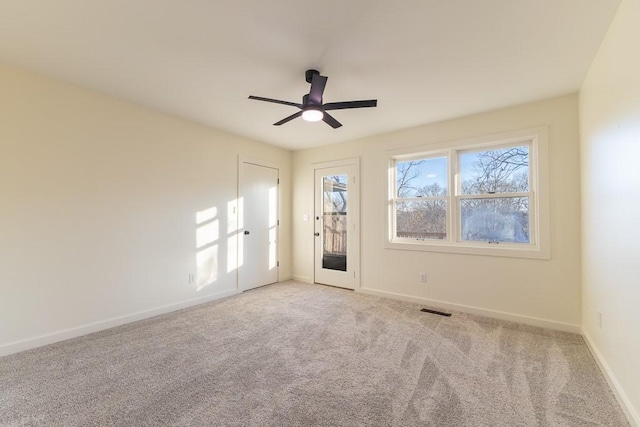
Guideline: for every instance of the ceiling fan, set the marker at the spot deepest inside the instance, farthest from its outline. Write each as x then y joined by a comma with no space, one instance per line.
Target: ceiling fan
312,109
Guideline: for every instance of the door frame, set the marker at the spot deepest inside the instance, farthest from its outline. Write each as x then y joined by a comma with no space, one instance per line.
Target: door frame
354,212
239,225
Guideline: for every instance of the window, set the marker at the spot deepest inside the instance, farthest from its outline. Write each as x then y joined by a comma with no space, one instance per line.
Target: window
480,197
421,198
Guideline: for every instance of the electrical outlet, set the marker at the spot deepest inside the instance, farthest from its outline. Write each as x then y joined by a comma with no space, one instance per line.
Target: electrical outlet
599,317
423,277
192,278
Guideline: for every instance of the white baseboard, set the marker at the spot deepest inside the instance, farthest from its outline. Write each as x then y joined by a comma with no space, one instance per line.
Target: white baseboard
285,278
17,346
632,415
304,279
533,321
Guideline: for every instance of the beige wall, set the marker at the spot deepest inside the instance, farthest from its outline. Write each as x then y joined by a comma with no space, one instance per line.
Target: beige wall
98,203
543,292
610,147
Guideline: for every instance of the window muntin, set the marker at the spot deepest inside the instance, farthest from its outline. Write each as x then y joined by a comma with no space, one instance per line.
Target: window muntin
492,203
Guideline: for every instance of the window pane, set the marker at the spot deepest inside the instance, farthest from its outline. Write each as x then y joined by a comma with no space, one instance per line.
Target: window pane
504,170
504,219
422,178
421,219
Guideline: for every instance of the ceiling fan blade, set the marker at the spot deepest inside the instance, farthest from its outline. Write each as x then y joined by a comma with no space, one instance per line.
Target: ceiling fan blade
275,101
318,83
350,104
288,119
328,119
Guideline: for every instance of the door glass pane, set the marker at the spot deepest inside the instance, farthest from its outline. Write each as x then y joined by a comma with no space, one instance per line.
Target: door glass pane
334,222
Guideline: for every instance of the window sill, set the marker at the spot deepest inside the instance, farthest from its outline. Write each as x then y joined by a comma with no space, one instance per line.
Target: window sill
499,250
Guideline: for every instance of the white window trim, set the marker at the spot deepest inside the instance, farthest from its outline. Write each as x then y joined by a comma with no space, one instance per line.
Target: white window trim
539,248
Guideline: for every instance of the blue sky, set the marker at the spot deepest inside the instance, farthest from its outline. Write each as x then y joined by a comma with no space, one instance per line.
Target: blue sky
434,170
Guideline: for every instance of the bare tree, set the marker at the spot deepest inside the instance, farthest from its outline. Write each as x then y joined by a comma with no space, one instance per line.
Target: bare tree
432,190
423,218
337,199
499,171
406,172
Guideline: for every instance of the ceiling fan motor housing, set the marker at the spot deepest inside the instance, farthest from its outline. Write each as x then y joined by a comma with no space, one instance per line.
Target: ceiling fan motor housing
308,75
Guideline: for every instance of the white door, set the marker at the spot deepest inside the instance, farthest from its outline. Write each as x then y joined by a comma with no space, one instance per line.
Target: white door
337,246
258,226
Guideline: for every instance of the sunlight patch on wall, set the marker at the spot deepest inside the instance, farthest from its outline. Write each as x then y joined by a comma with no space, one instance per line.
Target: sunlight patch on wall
232,232
206,215
232,217
240,213
273,230
207,234
207,262
240,243
239,231
273,206
273,260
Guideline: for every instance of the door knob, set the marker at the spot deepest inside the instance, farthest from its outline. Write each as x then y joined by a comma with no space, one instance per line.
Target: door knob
246,232
316,234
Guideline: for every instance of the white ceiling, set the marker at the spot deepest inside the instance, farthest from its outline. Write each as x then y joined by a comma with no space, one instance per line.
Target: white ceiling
424,60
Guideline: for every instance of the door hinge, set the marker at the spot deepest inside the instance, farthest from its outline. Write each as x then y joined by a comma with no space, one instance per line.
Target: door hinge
278,181
278,264
278,223
354,274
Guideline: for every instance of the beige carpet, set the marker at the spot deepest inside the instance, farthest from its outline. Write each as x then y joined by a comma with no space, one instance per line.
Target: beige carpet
293,354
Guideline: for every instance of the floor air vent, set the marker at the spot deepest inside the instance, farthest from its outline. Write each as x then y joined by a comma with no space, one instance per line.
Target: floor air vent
440,313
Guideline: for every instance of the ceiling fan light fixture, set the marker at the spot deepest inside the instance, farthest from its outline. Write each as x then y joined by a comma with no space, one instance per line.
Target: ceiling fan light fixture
313,108
312,114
